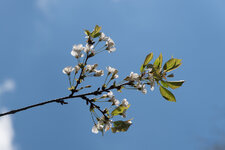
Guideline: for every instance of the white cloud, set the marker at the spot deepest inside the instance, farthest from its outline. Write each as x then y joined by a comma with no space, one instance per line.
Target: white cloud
7,86
45,6
6,134
6,128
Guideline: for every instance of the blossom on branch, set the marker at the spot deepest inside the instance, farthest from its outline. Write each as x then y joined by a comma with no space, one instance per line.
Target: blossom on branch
110,45
77,51
68,70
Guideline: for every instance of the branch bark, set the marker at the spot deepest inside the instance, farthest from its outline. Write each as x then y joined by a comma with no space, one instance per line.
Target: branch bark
62,100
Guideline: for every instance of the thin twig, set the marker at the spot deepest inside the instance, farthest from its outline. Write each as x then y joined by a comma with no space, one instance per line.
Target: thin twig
61,100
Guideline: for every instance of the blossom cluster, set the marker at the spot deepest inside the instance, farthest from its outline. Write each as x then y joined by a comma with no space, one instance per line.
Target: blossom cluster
149,75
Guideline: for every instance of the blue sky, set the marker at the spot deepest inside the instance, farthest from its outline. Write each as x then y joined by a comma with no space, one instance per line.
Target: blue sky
37,37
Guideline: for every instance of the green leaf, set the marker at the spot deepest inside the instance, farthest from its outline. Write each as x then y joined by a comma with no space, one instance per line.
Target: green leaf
119,110
172,64
171,75
158,62
97,35
167,94
121,126
175,84
142,68
87,32
164,83
96,31
148,59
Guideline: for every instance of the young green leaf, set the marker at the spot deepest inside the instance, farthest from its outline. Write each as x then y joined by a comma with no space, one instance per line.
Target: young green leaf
142,68
158,62
96,31
171,75
148,59
87,32
119,110
164,84
175,84
121,126
167,94
172,64
96,35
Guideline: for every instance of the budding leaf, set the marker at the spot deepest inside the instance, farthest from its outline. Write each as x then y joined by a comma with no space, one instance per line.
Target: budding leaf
175,84
167,94
121,126
171,75
96,35
87,32
96,31
148,59
172,64
164,83
158,62
119,110
142,68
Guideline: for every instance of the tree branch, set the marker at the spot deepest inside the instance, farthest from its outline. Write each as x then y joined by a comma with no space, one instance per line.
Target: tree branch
61,100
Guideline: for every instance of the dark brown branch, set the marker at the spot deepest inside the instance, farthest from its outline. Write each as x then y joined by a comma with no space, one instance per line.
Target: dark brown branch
79,79
61,100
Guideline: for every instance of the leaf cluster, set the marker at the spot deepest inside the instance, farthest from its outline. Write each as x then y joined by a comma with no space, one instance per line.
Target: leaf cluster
160,74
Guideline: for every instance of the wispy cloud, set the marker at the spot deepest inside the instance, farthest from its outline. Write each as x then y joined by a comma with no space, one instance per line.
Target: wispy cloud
6,127
45,6
6,133
7,86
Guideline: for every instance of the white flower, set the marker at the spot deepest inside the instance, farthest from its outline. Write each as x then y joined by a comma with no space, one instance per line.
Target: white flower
114,101
133,77
144,91
102,125
98,73
103,37
89,48
152,88
96,128
91,68
77,68
125,103
108,125
113,49
77,51
111,69
129,121
108,95
115,76
110,45
152,80
141,87
68,70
